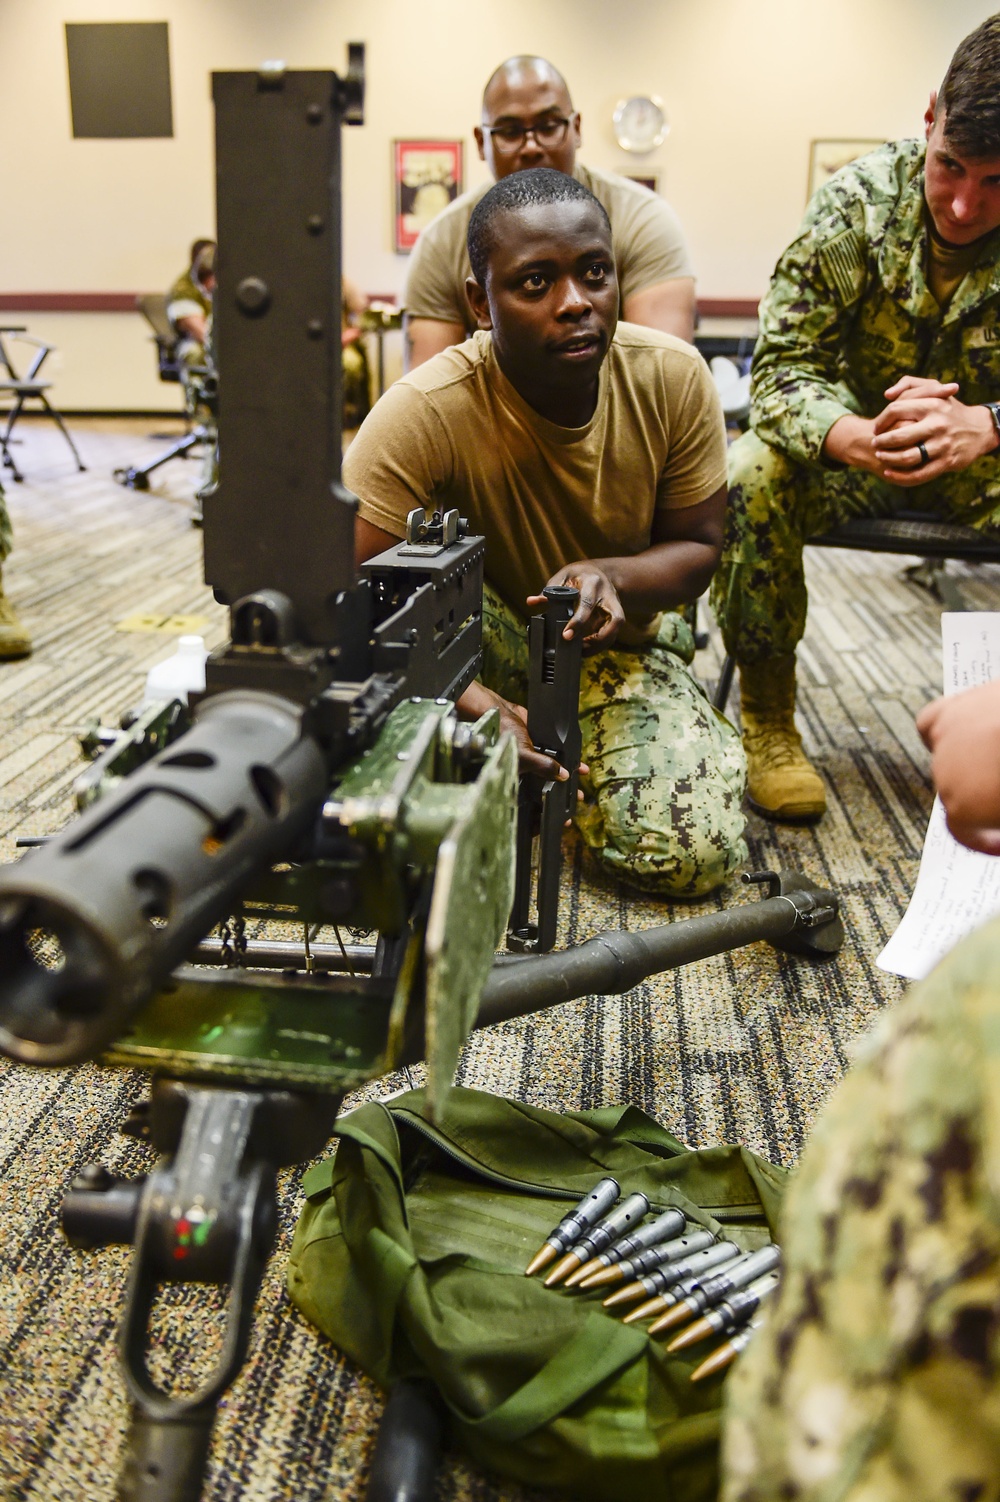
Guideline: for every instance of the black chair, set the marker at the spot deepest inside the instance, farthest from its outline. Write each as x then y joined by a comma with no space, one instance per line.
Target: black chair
27,388
933,539
199,391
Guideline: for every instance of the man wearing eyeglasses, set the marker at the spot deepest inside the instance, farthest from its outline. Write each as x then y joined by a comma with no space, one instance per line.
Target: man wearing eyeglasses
529,121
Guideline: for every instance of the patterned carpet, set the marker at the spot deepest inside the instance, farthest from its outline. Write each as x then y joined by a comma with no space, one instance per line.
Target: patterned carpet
743,1047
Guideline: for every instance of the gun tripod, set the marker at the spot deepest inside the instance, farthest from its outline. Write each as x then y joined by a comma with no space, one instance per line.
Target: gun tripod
136,476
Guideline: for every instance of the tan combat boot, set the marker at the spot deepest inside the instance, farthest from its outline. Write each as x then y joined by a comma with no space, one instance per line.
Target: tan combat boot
14,639
782,783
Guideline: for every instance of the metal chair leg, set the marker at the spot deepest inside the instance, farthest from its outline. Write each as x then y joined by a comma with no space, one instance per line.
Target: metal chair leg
57,419
8,457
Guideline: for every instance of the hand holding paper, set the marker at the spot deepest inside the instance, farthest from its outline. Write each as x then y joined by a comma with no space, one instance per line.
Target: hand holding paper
963,735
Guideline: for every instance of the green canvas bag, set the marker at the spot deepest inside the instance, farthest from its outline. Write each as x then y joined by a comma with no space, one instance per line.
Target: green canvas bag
410,1254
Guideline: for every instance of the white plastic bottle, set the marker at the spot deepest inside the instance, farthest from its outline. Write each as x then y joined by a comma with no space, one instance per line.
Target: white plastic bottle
179,675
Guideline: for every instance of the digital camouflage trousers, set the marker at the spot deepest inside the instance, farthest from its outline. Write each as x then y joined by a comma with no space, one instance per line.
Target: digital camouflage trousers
876,1376
663,798
775,503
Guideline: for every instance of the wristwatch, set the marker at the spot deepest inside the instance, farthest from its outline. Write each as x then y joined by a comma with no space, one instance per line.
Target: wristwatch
993,408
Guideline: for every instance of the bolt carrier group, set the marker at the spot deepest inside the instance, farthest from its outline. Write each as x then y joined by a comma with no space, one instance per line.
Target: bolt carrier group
688,1280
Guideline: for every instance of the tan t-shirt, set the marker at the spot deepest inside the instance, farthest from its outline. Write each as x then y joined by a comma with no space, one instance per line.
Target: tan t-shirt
646,235
949,265
455,433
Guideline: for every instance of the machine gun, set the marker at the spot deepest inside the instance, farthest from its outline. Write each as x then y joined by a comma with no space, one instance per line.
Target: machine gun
324,777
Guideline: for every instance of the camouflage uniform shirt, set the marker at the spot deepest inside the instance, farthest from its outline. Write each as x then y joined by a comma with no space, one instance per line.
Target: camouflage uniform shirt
849,310
877,1375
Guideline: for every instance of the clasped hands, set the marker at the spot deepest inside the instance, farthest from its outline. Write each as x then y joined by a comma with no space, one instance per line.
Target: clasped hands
928,412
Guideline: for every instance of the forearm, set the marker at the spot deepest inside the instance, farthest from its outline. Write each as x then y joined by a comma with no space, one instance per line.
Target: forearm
193,326
668,306
423,338
794,404
663,577
849,442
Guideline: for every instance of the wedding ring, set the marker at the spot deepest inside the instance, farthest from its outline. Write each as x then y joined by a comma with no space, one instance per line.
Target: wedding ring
925,457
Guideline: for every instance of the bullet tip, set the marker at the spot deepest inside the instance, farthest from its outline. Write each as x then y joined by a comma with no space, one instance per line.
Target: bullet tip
541,1259
601,1279
669,1321
563,1266
691,1336
717,1362
626,1295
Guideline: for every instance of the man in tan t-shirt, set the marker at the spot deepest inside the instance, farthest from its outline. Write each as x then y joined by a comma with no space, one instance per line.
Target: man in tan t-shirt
588,455
529,121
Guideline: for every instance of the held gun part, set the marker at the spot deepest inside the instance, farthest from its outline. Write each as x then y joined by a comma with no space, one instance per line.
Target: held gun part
554,727
728,1316
659,1279
654,1231
572,1226
715,1289
652,1257
607,1230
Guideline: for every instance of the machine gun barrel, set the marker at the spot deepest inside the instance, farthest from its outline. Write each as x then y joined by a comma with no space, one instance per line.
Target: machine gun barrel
797,916
94,920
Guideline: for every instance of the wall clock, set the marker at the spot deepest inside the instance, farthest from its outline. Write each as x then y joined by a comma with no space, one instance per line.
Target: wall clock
639,122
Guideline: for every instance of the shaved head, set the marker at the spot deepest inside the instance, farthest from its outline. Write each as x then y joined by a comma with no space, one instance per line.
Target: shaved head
526,93
519,73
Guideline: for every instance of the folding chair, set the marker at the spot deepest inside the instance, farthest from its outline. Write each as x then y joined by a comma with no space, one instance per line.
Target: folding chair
24,389
920,532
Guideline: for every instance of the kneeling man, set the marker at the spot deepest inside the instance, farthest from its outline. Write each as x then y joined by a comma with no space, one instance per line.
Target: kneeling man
591,455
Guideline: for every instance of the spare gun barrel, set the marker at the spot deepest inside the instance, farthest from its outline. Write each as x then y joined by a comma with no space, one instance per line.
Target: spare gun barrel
612,963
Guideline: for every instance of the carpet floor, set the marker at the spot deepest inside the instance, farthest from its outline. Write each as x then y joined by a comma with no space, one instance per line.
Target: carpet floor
743,1047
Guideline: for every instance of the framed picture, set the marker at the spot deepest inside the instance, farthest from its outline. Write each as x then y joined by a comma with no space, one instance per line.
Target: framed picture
827,157
428,177
652,182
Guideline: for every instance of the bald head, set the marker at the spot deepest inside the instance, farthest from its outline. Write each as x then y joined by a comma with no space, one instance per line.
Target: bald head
528,119
519,73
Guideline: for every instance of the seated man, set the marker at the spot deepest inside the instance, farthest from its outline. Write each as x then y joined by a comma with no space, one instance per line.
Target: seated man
874,372
591,457
877,1375
189,303
529,121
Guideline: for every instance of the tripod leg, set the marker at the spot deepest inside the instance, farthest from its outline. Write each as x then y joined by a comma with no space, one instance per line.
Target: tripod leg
165,1458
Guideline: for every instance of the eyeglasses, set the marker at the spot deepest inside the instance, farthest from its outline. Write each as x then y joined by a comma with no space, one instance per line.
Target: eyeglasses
511,135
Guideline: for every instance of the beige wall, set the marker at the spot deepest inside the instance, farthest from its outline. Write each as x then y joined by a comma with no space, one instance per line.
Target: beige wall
747,84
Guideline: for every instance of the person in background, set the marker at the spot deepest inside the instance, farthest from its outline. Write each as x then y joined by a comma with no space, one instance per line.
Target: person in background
587,453
875,384
877,1372
528,120
354,358
189,303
